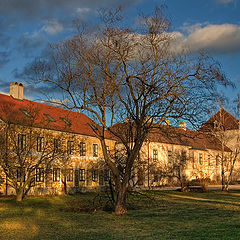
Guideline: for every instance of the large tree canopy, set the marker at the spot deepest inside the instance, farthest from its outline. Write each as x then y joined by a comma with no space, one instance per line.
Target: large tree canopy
115,73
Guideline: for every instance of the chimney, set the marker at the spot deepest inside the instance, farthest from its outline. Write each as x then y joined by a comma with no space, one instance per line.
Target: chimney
167,122
183,125
16,90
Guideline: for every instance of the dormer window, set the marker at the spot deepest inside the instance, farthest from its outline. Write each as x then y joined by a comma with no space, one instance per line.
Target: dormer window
24,111
50,118
66,121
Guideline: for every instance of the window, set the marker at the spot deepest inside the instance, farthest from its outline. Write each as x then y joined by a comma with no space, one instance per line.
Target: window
69,175
70,146
22,141
40,143
193,162
67,122
20,172
200,158
170,159
94,175
82,149
209,160
56,145
155,155
24,111
39,175
56,174
95,150
218,158
50,118
106,175
184,156
81,174
108,149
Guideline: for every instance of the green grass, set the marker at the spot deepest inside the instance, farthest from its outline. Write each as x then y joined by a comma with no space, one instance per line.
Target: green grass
171,215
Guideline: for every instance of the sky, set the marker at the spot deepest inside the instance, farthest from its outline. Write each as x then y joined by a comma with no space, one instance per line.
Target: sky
27,28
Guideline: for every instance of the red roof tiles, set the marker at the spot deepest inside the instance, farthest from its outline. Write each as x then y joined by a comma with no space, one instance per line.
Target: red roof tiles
25,112
174,135
194,139
226,120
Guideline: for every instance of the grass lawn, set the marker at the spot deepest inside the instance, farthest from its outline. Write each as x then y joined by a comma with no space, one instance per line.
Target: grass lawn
171,215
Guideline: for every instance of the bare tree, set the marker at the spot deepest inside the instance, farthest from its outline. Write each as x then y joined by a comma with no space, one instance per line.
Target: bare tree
116,74
26,153
230,146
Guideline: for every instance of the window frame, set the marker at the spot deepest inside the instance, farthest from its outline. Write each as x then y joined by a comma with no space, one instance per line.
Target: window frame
155,155
56,174
70,147
40,144
19,172
94,175
69,174
95,150
56,145
22,141
82,175
170,156
200,158
39,175
82,148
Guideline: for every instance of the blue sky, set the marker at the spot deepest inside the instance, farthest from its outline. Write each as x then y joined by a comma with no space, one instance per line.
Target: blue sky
27,27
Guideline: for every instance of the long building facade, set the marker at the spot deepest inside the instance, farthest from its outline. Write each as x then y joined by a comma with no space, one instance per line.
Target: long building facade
67,156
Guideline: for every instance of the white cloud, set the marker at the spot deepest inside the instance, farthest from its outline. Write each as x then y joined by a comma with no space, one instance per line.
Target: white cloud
224,38
5,93
83,10
57,102
52,27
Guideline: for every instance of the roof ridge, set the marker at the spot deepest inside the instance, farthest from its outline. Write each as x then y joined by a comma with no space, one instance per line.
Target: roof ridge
80,122
48,105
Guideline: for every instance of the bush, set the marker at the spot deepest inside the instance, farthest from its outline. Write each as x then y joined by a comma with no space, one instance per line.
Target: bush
203,182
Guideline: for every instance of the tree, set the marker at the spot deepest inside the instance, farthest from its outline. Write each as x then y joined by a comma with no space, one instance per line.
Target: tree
27,152
116,74
230,145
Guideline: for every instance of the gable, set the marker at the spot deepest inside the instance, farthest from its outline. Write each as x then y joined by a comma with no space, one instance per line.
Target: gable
223,119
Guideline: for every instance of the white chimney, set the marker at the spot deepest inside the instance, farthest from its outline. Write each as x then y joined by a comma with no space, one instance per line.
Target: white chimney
183,125
16,90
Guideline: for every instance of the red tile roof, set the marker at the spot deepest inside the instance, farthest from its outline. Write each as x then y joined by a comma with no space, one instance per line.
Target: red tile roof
177,136
29,113
194,139
226,120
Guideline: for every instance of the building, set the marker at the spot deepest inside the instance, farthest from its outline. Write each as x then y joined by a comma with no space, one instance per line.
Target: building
176,155
69,156
66,134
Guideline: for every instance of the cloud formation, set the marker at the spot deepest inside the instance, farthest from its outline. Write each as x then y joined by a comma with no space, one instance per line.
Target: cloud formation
218,39
30,9
52,27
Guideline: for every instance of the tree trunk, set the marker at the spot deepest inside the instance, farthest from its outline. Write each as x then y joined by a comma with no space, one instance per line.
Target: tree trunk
19,196
223,180
120,205
65,186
